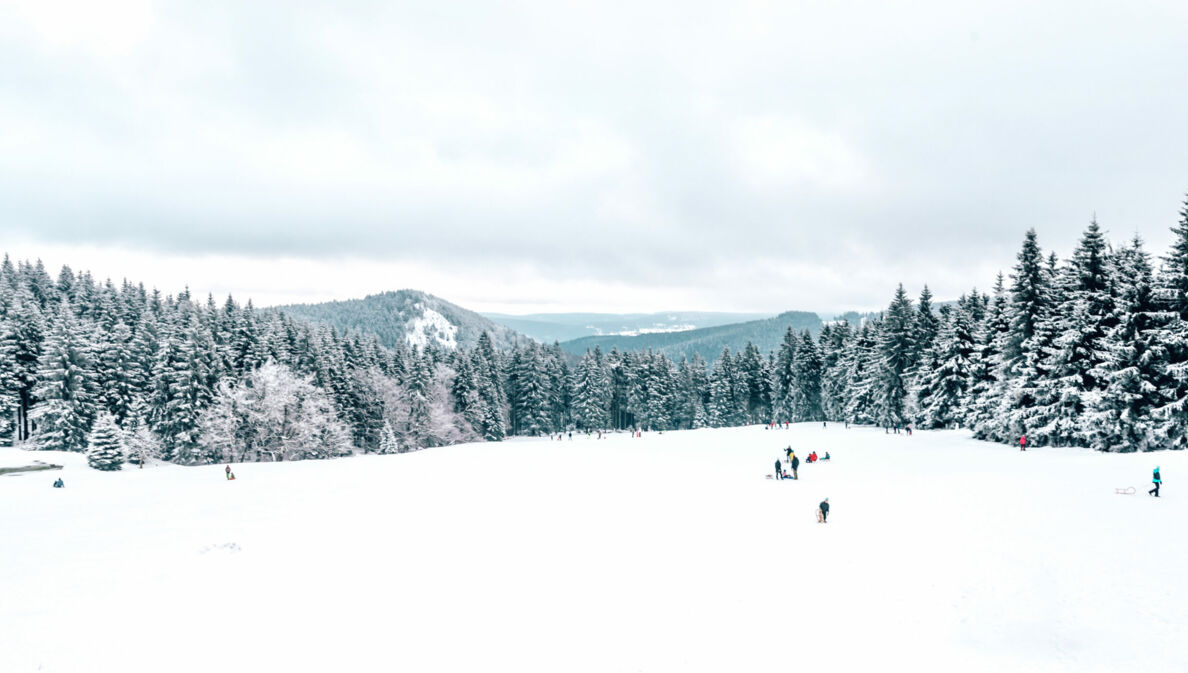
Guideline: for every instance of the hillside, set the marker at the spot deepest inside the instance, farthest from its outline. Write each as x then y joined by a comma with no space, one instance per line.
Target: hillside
708,342
550,327
972,549
411,316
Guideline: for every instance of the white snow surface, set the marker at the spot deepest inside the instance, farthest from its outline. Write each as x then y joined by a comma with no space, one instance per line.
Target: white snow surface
670,552
431,326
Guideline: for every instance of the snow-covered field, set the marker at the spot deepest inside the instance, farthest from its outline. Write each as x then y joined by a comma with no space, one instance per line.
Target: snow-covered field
664,553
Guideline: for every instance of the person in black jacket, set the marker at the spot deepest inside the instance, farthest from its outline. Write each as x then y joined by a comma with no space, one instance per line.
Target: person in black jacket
779,470
823,511
795,464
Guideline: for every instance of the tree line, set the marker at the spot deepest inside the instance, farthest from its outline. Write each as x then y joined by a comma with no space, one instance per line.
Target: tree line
1091,351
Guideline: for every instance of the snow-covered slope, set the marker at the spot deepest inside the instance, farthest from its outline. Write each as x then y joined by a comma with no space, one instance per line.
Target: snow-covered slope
664,553
408,316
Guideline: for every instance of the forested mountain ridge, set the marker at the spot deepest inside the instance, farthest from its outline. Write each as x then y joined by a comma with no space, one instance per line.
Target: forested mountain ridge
707,342
550,327
410,316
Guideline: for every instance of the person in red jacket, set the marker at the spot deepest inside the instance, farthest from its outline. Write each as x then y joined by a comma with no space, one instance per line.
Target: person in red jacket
1023,443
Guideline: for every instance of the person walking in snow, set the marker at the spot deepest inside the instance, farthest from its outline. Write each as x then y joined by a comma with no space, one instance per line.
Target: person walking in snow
1023,442
1157,480
779,470
795,464
823,511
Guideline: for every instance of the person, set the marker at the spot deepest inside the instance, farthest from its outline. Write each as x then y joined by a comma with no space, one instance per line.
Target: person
813,457
779,470
228,471
824,425
571,435
823,511
795,464
788,452
1023,443
59,483
1157,480
826,456
909,430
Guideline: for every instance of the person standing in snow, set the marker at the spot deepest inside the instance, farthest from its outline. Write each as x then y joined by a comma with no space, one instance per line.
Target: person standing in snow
228,470
823,511
795,464
1023,442
1157,480
779,470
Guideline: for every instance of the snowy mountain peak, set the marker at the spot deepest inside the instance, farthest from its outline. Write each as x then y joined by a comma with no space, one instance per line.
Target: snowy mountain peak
431,326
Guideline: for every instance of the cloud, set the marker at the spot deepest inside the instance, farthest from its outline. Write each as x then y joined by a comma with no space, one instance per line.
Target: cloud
753,155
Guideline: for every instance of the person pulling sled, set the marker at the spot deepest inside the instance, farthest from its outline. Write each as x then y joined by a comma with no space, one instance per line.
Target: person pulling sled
1157,480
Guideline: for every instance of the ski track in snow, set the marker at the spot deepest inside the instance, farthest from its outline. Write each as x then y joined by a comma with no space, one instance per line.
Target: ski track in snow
670,552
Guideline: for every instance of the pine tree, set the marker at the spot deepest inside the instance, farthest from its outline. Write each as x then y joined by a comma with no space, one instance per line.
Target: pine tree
388,444
948,380
591,394
806,375
1075,365
66,391
725,409
1171,297
896,343
106,446
1121,418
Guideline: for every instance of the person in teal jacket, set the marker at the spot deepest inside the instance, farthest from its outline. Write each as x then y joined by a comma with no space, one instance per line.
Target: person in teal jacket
1155,479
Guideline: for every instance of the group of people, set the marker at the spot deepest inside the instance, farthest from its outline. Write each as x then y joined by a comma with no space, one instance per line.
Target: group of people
794,463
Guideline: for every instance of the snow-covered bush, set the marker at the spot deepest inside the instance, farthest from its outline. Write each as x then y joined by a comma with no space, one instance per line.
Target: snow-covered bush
273,415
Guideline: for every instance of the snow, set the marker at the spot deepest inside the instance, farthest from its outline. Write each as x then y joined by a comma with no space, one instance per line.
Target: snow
669,552
432,326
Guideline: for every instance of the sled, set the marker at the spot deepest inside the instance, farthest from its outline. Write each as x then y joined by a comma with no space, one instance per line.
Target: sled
771,476
1125,491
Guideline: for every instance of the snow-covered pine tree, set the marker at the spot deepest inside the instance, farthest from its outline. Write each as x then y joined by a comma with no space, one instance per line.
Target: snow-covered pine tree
591,394
725,409
896,343
926,325
806,381
1171,297
1075,366
66,391
990,337
783,378
948,379
106,447
25,343
834,386
756,383
388,443
1120,418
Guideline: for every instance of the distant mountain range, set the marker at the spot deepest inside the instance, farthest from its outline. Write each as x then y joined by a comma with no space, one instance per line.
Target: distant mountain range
550,327
417,318
766,334
410,316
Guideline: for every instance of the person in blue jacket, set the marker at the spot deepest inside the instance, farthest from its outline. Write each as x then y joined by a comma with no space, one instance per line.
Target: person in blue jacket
1157,480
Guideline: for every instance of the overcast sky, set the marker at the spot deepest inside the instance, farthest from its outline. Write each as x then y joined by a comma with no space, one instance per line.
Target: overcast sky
557,156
